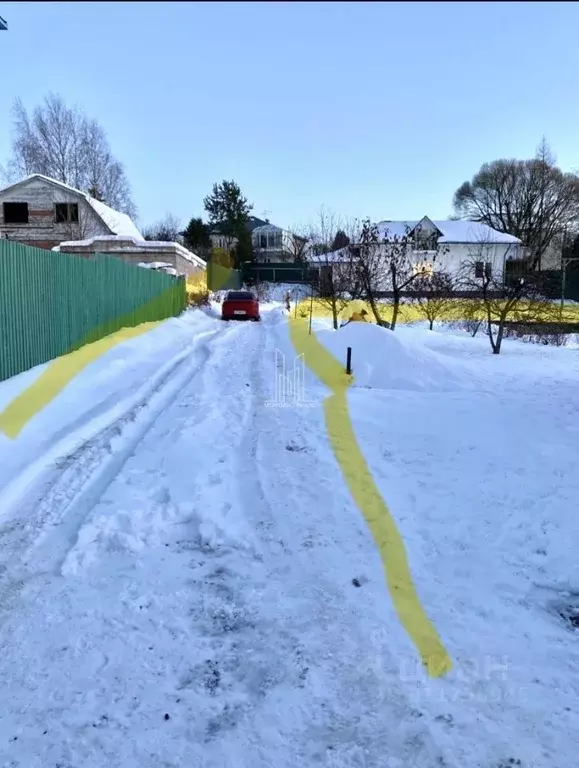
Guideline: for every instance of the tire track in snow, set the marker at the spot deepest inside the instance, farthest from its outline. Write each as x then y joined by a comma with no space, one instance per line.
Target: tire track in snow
68,485
243,667
358,712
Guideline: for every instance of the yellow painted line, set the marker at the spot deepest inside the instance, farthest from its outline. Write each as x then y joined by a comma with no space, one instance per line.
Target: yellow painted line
57,375
368,499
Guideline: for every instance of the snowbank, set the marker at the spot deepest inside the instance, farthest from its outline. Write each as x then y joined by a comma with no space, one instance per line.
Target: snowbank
382,360
96,390
483,485
273,292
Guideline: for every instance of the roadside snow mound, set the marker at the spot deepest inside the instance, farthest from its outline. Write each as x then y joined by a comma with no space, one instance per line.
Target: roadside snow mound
381,360
134,530
273,292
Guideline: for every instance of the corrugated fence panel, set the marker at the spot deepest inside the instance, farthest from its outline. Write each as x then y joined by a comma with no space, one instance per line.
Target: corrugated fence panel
52,303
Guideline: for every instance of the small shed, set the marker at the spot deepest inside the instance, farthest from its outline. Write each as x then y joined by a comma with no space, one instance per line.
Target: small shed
138,252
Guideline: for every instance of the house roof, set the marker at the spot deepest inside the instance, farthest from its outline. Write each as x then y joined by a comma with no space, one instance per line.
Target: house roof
267,228
252,223
118,223
451,231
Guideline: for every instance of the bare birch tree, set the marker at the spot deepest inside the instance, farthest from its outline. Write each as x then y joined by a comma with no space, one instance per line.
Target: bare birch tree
63,143
167,229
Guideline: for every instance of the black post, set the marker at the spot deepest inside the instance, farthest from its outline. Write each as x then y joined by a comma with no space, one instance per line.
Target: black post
349,361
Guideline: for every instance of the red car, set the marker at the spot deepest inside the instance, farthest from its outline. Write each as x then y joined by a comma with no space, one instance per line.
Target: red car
240,305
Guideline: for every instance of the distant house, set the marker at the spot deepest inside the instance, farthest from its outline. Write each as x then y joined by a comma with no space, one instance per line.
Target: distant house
458,243
453,243
270,243
43,212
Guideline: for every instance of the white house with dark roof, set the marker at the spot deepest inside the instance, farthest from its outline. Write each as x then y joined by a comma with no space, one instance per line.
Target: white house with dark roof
453,243
270,243
44,212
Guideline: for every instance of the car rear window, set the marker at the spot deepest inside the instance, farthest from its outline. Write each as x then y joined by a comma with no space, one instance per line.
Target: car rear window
240,296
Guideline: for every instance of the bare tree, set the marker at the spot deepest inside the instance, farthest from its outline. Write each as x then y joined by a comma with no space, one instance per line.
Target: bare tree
370,266
167,229
531,199
434,295
337,284
390,260
63,143
503,299
296,247
473,314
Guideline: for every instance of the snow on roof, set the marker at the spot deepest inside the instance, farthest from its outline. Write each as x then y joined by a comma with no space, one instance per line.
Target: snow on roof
471,232
266,228
119,223
138,245
341,255
461,231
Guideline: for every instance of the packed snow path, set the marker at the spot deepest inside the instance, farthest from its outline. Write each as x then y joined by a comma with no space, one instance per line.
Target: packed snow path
182,589
185,580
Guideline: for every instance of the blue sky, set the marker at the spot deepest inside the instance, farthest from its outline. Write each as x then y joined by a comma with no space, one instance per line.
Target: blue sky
377,109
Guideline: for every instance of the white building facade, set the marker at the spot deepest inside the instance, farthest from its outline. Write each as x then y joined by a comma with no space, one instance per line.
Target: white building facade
451,246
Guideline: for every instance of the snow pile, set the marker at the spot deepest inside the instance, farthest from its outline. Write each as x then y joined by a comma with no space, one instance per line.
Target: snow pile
164,265
96,390
382,360
130,531
276,292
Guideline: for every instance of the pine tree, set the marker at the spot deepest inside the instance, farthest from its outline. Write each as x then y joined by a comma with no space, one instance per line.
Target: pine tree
227,208
196,235
244,247
341,240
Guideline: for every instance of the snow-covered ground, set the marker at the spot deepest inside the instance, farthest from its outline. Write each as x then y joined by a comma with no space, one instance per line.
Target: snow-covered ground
478,457
179,557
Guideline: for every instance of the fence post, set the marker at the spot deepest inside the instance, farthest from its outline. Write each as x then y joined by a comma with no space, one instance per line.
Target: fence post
349,360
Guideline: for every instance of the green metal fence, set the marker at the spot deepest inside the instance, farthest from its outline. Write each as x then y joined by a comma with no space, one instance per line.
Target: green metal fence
53,303
220,278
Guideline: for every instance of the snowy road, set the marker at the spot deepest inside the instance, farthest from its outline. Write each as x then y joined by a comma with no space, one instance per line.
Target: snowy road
178,589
